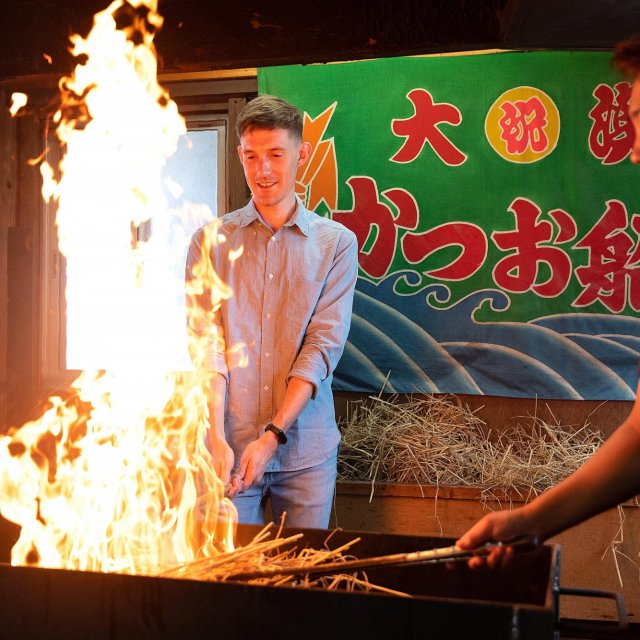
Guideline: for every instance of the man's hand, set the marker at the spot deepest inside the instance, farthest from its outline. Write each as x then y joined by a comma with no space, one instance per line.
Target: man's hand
253,463
221,456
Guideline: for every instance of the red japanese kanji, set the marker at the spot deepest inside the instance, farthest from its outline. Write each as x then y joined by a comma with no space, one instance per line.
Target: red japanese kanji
611,135
523,125
613,261
519,271
423,127
471,239
369,214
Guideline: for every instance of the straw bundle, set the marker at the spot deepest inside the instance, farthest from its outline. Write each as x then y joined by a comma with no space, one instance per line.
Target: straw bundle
530,459
268,554
436,441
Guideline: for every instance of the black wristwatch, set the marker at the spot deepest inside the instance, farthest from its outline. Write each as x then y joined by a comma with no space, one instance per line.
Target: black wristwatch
282,438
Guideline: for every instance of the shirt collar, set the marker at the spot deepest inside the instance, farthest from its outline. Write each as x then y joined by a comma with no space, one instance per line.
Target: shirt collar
300,218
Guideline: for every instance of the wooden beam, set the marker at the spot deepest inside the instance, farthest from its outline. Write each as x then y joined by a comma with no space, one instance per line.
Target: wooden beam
237,190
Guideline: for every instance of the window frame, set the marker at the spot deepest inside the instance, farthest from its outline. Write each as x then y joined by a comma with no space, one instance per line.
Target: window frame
207,100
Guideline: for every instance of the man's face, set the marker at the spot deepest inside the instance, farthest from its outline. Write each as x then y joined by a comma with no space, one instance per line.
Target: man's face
271,158
634,116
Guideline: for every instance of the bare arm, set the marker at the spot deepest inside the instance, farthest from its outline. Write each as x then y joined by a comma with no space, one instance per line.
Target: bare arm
221,452
609,477
295,399
258,453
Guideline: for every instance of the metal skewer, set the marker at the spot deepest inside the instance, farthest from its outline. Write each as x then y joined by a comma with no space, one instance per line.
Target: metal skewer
428,556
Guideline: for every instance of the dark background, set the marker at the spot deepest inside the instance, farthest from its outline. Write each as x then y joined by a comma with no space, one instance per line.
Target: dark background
211,34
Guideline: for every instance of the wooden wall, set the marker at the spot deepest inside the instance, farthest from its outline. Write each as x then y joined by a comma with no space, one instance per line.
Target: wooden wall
7,195
21,212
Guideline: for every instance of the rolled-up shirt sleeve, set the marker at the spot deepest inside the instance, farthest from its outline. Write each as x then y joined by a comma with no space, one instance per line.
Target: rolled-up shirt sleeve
207,346
328,328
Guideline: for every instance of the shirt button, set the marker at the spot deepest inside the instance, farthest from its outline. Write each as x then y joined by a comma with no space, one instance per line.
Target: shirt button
266,387
266,355
270,276
268,315
272,238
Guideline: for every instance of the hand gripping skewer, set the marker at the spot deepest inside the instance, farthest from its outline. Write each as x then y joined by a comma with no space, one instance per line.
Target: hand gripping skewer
427,556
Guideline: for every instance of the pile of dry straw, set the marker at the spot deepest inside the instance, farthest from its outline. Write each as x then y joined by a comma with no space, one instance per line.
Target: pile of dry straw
435,441
266,555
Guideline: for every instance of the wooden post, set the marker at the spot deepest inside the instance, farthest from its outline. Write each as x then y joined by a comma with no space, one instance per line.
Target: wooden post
237,191
8,191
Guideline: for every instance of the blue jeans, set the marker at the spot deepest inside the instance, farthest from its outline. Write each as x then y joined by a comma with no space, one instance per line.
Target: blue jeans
306,496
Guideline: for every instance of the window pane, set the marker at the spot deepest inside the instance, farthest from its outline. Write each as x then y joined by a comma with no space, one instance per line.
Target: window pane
111,324
194,166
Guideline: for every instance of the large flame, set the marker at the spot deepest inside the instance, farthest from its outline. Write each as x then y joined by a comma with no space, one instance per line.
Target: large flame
116,476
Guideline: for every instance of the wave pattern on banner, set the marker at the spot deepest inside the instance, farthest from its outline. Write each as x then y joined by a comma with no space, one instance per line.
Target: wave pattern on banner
416,348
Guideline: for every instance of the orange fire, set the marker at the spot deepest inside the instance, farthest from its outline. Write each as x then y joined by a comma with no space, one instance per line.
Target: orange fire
116,476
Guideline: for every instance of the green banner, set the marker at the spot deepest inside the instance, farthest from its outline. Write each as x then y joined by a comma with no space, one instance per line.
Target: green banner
494,205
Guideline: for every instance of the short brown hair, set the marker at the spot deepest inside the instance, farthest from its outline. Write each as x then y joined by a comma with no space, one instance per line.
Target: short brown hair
626,56
270,112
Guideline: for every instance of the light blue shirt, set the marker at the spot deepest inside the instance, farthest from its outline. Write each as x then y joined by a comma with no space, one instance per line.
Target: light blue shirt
291,309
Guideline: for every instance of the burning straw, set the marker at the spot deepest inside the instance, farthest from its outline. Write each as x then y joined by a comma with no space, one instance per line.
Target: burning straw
436,441
269,556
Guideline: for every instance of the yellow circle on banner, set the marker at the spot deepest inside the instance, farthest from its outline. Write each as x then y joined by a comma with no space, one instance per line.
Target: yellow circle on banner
523,125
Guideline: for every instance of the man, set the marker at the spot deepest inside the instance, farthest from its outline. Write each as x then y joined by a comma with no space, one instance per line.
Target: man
612,474
273,431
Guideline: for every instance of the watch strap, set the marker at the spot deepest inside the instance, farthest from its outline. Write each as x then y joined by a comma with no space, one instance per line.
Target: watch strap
280,434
